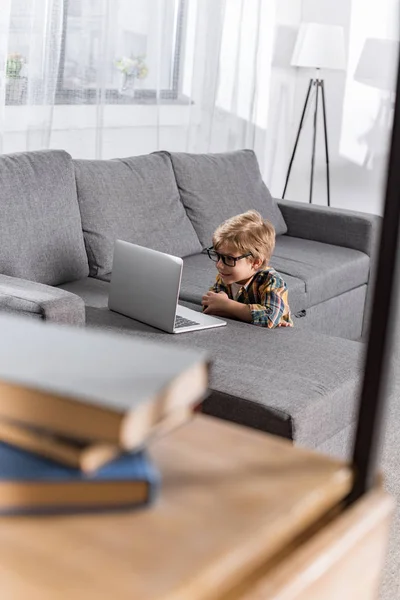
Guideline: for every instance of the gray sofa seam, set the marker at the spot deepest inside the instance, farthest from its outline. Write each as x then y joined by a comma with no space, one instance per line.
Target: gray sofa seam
179,190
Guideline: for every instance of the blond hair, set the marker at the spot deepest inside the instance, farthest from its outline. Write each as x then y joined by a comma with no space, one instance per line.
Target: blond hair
247,232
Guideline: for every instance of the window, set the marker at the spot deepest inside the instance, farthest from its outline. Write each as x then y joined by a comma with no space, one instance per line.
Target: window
83,51
129,49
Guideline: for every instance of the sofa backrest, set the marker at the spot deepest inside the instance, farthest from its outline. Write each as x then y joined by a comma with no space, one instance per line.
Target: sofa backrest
40,224
135,199
215,187
170,202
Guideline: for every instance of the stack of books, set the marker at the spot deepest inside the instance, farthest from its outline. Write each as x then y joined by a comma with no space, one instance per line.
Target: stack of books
77,410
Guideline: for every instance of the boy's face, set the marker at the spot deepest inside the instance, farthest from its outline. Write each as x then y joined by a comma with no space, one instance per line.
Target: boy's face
242,271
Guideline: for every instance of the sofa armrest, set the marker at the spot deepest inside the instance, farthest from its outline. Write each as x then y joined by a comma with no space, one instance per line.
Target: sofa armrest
38,299
346,228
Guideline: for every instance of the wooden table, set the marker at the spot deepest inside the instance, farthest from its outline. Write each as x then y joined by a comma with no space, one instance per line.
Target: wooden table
242,515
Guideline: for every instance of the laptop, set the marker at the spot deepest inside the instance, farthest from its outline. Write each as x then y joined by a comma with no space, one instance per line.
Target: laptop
145,286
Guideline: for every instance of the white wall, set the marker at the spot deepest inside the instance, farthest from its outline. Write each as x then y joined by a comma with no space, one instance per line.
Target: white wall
353,185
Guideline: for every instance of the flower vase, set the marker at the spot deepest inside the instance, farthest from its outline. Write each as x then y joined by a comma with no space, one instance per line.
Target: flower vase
16,90
127,85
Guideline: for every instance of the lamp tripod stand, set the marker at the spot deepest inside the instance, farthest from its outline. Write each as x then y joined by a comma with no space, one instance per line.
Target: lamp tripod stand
318,84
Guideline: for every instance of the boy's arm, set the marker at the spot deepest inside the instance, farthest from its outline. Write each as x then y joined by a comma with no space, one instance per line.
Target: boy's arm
273,304
219,304
273,296
240,311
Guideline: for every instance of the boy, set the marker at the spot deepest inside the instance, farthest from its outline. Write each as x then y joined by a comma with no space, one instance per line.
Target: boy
246,288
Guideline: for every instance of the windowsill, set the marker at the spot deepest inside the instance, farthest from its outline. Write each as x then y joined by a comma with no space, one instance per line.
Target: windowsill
16,95
124,100
166,113
118,101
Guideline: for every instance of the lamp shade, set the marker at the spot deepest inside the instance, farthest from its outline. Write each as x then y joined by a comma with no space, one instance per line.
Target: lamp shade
319,46
377,64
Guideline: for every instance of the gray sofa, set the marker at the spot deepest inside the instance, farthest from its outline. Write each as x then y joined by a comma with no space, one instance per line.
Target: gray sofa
59,218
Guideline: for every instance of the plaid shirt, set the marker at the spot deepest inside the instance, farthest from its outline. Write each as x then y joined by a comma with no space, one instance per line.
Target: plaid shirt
267,296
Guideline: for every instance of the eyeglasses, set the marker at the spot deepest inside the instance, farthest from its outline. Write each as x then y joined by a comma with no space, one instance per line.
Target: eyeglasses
229,261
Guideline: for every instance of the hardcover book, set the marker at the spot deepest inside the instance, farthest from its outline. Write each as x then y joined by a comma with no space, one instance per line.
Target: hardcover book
30,484
83,455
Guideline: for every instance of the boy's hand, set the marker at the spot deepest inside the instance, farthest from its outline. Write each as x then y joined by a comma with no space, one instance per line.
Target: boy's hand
222,306
216,304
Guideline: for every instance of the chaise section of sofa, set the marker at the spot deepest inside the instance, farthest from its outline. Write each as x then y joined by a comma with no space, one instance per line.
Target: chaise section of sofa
289,382
297,384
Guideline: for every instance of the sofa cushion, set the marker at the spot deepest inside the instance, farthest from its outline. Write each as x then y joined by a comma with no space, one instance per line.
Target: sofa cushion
326,270
40,225
199,275
134,199
214,187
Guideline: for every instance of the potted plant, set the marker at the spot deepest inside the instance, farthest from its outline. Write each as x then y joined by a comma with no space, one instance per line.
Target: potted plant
15,83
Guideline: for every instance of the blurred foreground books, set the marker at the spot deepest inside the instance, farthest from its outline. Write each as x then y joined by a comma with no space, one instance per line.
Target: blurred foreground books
78,406
31,484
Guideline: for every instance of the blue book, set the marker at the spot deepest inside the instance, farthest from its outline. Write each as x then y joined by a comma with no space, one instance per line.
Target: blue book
31,484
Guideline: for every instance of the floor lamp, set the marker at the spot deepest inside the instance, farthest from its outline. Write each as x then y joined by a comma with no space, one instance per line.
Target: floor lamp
317,47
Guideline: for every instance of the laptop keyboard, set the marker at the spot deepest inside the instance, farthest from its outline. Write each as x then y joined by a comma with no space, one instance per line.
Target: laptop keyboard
182,322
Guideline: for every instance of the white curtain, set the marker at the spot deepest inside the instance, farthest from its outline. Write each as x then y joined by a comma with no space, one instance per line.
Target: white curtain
370,83
108,78
29,62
